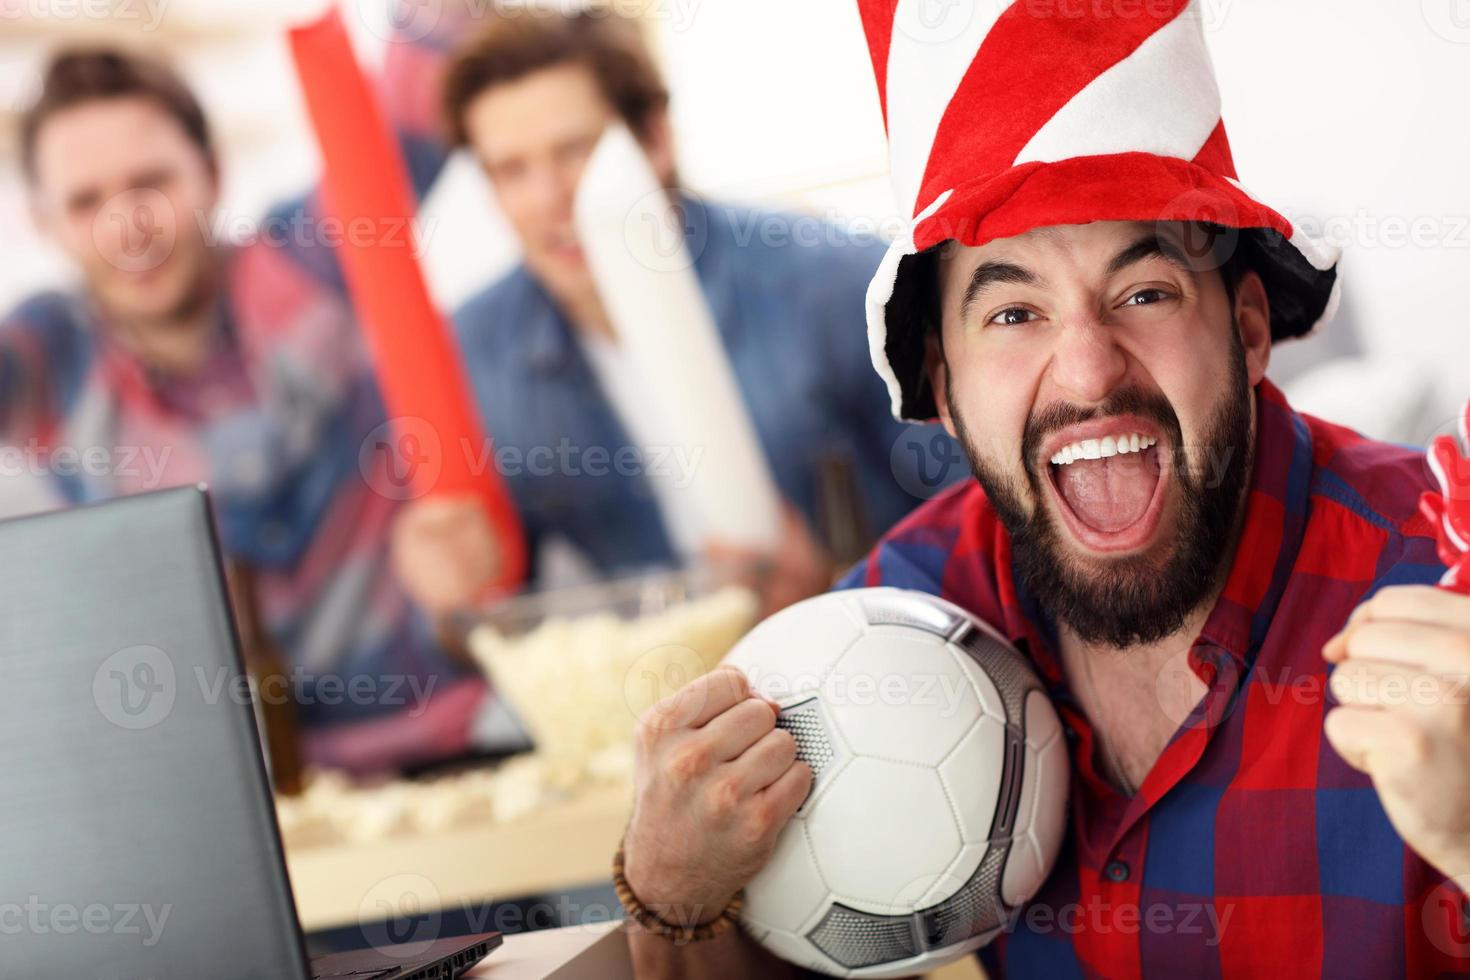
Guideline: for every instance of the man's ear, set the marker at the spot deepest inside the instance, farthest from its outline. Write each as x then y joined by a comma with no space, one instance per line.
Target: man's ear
1253,320
937,369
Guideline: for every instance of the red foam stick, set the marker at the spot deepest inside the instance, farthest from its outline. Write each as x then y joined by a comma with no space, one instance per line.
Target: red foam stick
366,186
1449,509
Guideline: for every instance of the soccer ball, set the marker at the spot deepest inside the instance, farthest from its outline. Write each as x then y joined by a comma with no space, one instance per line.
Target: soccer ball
939,797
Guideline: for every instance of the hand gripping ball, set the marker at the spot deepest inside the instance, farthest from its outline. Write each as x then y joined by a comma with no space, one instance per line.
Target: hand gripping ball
939,798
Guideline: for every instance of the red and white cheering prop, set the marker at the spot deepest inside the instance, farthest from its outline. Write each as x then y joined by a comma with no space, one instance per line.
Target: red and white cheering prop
365,182
1449,509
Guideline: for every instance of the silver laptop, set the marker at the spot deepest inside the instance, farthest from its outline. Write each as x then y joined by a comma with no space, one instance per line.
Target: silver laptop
137,833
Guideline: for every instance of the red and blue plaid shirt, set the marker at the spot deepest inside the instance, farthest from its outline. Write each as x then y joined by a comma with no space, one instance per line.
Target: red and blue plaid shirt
1252,849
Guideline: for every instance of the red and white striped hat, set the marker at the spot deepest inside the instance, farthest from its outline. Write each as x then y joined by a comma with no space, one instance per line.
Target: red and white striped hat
1004,117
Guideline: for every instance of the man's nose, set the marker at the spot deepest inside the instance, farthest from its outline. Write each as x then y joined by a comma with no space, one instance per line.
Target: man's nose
553,193
1087,362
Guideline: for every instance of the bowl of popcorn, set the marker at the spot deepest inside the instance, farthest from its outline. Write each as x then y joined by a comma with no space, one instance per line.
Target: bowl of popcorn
579,665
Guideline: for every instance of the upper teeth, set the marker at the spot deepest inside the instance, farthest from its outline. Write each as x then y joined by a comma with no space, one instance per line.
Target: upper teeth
1102,448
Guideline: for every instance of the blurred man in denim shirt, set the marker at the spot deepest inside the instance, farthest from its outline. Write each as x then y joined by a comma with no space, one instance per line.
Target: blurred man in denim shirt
530,95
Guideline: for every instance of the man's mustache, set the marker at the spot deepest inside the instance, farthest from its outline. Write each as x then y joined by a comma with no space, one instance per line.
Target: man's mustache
1125,401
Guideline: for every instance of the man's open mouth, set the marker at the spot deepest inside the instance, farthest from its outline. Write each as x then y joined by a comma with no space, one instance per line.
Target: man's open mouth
1108,477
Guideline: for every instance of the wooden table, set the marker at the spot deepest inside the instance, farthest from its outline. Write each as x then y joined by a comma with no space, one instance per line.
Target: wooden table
600,952
560,847
597,952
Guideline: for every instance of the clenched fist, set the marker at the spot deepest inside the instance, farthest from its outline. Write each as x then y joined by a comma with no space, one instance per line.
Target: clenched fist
715,783
1403,679
445,552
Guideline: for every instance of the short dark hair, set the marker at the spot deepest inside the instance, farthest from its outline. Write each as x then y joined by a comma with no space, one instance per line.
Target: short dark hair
78,75
511,44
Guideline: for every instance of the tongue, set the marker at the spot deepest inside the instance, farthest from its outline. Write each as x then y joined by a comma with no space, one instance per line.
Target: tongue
1108,494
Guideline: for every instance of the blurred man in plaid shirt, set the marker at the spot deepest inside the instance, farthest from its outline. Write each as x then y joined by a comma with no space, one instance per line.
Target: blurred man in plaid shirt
184,359
1230,603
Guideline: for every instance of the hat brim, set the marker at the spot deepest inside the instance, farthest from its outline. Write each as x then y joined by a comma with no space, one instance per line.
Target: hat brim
1299,272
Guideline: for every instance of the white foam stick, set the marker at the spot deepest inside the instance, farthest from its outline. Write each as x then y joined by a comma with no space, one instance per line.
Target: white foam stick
632,236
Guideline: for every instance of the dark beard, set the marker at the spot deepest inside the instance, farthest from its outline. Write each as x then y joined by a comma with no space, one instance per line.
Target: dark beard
1136,599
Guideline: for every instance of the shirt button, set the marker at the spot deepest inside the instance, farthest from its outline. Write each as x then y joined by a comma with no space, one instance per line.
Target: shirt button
1116,871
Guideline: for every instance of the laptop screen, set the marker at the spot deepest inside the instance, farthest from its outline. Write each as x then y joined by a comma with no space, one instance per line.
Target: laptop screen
137,834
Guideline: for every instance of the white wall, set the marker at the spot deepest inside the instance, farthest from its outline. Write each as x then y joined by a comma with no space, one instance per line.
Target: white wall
1354,110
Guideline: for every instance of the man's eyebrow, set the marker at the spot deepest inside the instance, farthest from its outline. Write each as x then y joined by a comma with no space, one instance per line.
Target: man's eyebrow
149,177
989,274
1149,247
83,198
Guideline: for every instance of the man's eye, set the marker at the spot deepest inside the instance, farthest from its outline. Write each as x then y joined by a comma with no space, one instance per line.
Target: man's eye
1015,316
1146,297
577,149
83,204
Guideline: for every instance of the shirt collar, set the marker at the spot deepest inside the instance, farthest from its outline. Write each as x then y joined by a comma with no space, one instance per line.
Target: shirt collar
548,335
1271,535
136,381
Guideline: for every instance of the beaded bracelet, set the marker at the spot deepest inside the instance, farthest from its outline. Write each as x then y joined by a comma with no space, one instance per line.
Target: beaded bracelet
678,934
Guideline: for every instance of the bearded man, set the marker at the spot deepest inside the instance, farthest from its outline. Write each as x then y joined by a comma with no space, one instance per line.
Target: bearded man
1229,602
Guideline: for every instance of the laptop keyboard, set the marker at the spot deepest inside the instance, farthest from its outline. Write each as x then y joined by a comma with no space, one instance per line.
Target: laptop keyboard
431,964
